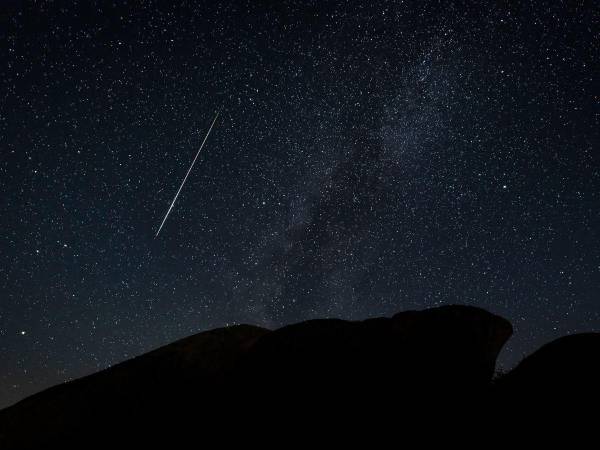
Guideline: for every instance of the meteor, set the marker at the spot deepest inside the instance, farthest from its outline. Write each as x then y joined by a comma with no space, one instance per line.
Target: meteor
187,174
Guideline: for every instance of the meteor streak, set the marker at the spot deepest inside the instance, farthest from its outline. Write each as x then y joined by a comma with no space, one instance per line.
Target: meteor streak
188,172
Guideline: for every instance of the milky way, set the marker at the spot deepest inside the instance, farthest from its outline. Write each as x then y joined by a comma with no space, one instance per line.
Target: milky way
370,157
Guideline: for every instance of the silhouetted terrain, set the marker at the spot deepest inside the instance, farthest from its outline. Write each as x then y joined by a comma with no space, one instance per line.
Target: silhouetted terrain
437,359
567,368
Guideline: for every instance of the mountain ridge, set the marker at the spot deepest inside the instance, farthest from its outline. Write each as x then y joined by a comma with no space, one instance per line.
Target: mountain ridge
440,356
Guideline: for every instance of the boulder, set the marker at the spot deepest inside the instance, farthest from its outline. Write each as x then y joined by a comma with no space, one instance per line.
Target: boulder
566,369
435,351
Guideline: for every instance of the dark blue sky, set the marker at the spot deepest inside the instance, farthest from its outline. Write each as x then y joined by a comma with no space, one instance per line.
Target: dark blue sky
370,157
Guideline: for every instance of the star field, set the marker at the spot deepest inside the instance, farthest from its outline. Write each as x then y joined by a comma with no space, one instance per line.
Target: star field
370,157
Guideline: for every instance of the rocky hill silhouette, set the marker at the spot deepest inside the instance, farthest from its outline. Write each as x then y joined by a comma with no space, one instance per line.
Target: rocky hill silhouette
440,358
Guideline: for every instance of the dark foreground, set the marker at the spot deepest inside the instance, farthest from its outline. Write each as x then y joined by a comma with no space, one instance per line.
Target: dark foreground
415,366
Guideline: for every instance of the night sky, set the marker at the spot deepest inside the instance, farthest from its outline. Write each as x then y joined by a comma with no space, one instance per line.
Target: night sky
370,157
